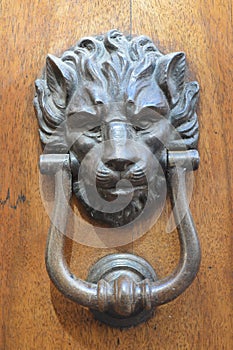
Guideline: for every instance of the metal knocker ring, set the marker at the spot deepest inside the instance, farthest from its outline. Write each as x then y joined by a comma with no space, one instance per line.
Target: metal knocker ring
114,108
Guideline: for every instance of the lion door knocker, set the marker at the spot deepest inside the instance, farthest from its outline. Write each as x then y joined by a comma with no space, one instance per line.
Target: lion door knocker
118,125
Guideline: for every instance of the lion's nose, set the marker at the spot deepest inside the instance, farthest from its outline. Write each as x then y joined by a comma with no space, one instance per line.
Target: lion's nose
119,164
119,146
117,130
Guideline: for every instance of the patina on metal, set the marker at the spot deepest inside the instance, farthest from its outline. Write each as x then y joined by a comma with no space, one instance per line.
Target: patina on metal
123,95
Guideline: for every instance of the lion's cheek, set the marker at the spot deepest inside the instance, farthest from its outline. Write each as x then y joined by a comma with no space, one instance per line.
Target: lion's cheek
82,146
158,136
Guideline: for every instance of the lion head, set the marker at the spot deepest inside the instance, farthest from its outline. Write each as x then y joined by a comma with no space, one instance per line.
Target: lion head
116,104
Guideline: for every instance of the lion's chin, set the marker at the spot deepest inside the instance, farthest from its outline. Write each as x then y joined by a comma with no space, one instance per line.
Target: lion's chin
132,211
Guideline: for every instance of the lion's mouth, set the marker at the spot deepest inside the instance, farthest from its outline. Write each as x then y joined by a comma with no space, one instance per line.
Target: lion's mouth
122,191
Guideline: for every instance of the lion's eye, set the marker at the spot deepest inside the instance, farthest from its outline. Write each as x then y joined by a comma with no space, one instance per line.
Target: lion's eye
93,132
145,119
141,124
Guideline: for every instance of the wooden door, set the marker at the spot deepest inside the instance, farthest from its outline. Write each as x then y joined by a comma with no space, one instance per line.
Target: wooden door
34,314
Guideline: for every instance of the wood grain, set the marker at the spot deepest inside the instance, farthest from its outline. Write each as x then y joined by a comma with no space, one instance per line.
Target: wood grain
34,314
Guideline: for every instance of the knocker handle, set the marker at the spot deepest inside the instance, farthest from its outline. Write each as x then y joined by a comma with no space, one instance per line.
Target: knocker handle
122,289
82,292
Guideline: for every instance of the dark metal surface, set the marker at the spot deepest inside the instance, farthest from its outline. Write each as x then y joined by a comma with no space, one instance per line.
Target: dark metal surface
107,109
115,102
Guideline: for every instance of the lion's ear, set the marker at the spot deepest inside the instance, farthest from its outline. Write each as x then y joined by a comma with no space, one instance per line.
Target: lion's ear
61,79
170,73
